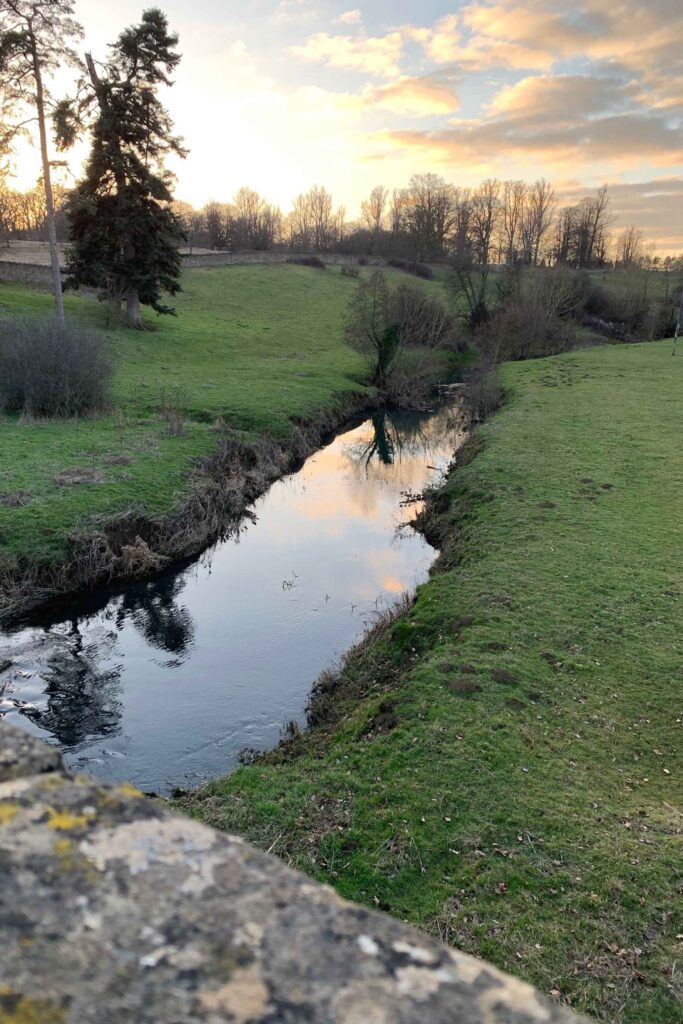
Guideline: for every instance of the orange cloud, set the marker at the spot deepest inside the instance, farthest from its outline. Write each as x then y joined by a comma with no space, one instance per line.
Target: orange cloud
375,55
350,18
420,96
560,98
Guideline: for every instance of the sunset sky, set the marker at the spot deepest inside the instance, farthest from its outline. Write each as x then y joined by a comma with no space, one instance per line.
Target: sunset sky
282,94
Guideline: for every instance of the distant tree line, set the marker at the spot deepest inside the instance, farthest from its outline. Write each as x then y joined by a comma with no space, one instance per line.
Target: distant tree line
498,222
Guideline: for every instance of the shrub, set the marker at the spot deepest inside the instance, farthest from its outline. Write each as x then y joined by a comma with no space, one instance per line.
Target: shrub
308,261
411,267
625,299
536,318
422,320
362,261
350,271
52,371
484,392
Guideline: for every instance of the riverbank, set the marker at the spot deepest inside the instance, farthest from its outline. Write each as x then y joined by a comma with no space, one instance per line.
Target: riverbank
498,765
209,408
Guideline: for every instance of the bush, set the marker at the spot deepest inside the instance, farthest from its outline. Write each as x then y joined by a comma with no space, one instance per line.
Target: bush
350,271
422,320
625,303
308,261
411,267
484,392
536,318
52,371
362,261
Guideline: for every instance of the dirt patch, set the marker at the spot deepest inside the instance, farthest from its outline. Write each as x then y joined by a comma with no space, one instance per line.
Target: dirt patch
587,480
499,600
446,666
383,721
516,705
118,460
78,476
14,499
502,675
495,646
464,686
607,487
546,504
468,670
463,622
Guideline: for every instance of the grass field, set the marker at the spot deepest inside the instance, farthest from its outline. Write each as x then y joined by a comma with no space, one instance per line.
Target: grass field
254,345
502,767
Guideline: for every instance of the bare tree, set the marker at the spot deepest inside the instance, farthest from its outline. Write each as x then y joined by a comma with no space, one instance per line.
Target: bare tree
34,43
485,214
512,217
301,222
462,225
539,207
630,247
217,224
429,214
397,210
372,208
320,205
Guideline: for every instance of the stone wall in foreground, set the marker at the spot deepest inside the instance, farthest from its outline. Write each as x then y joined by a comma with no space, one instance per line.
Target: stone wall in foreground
113,910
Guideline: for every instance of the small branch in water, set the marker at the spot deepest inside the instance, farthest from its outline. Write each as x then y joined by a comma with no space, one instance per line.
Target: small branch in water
412,497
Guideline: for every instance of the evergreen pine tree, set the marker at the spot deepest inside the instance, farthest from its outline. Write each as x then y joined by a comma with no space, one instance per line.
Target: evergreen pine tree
124,233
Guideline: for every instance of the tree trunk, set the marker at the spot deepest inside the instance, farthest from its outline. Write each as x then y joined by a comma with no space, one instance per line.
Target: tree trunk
133,317
47,182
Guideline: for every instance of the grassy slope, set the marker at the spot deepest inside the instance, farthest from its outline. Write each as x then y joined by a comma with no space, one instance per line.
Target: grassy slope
255,345
531,822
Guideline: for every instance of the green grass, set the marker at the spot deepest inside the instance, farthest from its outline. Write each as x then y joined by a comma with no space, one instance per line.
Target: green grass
255,345
533,821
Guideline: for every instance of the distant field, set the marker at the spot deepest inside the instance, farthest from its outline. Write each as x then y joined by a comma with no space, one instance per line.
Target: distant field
254,345
502,767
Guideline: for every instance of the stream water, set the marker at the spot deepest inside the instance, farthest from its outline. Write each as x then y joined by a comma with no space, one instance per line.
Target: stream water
163,682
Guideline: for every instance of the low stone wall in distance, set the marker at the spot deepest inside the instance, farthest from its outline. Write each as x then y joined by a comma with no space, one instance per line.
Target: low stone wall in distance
25,273
40,274
113,910
227,259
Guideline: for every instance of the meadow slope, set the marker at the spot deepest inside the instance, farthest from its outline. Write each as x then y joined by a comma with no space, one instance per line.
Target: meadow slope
501,765
253,345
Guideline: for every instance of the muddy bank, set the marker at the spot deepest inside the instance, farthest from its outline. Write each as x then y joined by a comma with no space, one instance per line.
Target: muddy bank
134,545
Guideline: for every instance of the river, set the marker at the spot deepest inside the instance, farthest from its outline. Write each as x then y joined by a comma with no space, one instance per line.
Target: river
163,682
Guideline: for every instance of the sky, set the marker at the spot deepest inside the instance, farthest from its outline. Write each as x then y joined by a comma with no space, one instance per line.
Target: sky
283,94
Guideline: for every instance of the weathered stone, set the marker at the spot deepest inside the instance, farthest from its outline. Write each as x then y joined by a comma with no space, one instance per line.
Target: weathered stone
114,910
21,754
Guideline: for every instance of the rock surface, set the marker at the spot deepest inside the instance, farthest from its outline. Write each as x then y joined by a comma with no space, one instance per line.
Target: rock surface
114,910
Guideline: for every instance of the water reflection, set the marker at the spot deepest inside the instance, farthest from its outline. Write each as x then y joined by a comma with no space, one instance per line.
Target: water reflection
154,611
80,701
245,630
